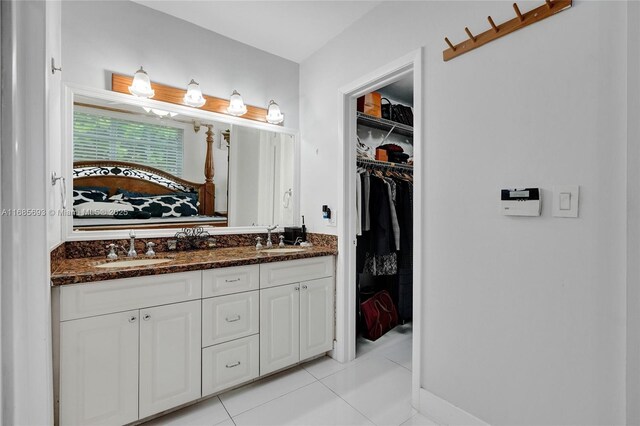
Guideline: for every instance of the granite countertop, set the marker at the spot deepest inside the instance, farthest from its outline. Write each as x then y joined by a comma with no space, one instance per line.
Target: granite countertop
84,270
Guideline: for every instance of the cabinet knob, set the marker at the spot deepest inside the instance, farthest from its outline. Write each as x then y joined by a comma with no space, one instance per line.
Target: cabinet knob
146,317
304,287
133,318
296,288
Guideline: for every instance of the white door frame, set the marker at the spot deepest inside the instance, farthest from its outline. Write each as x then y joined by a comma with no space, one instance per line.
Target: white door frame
346,272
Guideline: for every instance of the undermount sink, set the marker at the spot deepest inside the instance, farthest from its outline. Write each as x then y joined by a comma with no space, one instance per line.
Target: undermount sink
128,263
284,250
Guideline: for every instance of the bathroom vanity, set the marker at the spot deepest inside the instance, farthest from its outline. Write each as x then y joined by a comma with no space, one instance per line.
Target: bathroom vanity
141,341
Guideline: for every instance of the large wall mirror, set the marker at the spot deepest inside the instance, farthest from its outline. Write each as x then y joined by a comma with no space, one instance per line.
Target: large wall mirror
148,165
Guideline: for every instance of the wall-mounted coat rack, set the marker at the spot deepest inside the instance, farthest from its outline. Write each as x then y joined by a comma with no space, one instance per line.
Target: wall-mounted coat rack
520,21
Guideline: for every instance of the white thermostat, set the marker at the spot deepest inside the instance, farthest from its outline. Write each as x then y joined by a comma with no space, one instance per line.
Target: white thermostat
521,202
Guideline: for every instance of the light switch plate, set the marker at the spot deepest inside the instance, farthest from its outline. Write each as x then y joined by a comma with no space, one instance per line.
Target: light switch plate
565,200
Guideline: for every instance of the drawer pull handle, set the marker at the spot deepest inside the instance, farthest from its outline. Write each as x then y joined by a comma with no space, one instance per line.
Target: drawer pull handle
232,281
235,364
233,319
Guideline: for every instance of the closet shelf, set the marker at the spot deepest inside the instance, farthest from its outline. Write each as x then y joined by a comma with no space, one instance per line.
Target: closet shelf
386,164
384,124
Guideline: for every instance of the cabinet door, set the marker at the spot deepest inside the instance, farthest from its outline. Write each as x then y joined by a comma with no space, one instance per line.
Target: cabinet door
169,356
99,370
279,327
316,317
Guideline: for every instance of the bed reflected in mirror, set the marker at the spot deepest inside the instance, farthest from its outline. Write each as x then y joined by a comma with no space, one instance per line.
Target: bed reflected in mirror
142,167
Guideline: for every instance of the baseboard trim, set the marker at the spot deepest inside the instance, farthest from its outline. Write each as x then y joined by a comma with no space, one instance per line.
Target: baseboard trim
445,413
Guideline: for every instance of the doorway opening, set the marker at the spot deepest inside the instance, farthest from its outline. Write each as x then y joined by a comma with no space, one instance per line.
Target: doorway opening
379,221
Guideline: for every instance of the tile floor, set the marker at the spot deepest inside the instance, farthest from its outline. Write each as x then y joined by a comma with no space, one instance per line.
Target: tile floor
374,389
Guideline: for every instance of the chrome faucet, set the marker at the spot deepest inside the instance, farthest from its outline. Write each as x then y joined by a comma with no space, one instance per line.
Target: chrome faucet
132,245
269,229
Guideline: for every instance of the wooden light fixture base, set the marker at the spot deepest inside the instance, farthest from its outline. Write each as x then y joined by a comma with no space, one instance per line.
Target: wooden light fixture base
120,83
521,20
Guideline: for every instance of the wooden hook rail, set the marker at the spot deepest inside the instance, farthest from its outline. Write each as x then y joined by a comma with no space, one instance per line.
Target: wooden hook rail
550,8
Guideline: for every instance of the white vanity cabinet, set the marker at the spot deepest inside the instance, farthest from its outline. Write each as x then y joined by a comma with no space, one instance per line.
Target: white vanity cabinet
118,364
296,318
131,348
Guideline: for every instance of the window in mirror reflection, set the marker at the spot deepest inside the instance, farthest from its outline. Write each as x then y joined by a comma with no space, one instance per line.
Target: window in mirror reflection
106,137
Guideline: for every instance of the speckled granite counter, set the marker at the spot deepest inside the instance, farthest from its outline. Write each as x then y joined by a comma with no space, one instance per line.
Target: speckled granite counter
84,270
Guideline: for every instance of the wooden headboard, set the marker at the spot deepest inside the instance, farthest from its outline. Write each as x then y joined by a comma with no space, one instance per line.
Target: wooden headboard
140,178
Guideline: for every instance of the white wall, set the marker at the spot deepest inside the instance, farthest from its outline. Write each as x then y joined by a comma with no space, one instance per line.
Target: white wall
633,216
101,37
523,318
25,311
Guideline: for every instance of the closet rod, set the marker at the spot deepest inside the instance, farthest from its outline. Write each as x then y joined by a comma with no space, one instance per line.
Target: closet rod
384,164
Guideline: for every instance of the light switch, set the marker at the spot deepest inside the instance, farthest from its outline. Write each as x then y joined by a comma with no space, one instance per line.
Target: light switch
565,200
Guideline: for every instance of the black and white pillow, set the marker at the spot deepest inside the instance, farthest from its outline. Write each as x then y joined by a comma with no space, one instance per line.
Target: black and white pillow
81,196
123,194
165,205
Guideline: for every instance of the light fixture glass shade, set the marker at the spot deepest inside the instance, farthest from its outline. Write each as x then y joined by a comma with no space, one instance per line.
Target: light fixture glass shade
141,85
274,116
160,112
236,104
194,96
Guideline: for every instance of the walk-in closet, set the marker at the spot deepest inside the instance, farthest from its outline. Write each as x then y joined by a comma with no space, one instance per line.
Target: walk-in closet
384,222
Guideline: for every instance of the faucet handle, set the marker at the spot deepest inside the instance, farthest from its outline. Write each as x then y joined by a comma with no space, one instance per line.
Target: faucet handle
281,243
150,246
112,252
132,234
259,243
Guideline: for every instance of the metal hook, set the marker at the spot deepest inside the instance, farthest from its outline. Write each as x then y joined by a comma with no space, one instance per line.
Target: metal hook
53,66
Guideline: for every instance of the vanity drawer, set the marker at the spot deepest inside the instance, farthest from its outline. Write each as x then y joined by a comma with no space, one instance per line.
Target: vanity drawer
293,271
230,317
217,282
229,364
90,299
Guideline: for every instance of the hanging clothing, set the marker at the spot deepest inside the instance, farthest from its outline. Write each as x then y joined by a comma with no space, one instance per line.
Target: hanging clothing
381,265
366,190
381,218
395,227
384,252
404,206
358,205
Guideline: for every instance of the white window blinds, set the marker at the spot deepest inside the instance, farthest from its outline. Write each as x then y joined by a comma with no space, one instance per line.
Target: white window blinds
101,137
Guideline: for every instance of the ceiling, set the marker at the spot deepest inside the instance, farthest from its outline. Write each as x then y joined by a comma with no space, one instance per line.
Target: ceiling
291,29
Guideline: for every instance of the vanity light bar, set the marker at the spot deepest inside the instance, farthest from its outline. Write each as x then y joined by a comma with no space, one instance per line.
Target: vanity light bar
120,83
